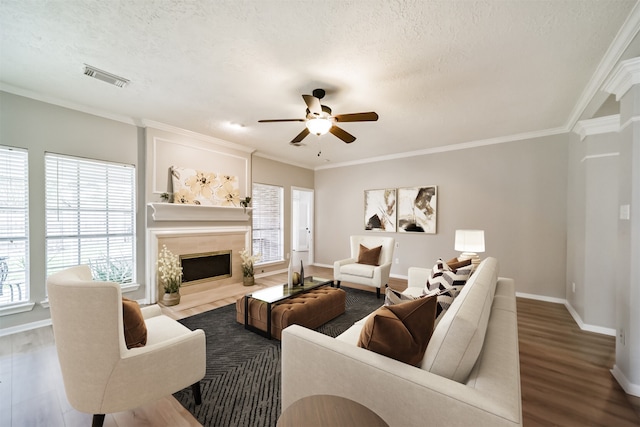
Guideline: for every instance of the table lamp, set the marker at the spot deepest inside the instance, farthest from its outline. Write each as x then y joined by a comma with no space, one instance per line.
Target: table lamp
470,242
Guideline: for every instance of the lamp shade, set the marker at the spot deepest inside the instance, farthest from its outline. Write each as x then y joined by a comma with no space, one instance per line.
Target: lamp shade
319,126
469,241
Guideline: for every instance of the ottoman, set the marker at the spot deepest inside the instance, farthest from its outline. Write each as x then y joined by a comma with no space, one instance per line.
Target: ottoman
310,309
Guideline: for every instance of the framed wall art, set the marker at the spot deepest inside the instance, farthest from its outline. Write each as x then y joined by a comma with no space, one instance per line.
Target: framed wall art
380,210
417,209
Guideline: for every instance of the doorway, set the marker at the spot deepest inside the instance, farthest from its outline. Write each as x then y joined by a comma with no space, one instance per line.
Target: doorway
302,225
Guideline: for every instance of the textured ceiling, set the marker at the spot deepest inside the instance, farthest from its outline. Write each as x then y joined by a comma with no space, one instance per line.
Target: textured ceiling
437,72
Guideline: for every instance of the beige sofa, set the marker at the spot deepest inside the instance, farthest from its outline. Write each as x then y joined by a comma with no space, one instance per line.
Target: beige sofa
470,374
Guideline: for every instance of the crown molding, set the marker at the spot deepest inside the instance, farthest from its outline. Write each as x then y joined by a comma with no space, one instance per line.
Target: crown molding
194,135
597,126
453,147
618,46
65,104
625,75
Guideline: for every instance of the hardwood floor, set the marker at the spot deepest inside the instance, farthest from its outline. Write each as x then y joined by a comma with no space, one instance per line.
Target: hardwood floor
564,371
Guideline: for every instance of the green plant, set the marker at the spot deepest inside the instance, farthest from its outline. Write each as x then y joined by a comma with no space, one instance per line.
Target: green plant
118,270
165,197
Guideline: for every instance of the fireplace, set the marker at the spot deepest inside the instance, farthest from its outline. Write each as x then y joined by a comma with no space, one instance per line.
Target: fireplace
202,242
202,267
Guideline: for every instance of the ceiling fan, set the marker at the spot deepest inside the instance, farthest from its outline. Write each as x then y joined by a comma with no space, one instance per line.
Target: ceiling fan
320,121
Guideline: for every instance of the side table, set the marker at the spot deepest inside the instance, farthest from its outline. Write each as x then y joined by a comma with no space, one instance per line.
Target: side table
323,410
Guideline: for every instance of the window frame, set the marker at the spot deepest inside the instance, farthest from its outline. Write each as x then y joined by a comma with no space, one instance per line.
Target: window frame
16,230
257,226
119,177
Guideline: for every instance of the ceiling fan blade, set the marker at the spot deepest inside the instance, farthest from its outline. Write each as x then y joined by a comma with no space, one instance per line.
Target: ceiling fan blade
357,117
281,120
313,104
300,136
342,134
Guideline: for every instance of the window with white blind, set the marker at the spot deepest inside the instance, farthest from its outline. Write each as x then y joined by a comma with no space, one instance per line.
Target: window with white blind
14,226
90,216
267,201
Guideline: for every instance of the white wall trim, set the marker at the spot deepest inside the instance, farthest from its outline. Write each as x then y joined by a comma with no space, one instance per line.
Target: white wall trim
629,121
599,156
453,147
586,327
597,126
627,386
66,104
194,135
624,76
25,327
541,298
616,49
16,308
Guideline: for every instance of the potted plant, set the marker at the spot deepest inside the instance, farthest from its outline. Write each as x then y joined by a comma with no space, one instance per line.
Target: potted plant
170,273
245,203
247,267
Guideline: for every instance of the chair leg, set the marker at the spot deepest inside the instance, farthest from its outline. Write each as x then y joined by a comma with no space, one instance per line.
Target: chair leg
98,420
196,393
338,284
378,293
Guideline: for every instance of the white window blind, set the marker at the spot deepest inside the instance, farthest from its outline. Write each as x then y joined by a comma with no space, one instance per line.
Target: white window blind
268,236
14,226
90,216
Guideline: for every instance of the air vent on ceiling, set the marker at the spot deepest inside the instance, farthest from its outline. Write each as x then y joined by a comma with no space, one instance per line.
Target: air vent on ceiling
105,76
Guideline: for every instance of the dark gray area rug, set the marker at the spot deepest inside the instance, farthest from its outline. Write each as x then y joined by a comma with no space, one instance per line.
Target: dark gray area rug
242,384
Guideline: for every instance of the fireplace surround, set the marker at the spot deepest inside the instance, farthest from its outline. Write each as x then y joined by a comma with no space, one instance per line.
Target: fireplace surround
184,241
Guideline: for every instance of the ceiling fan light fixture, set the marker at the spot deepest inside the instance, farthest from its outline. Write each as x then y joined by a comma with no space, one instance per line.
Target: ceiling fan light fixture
319,126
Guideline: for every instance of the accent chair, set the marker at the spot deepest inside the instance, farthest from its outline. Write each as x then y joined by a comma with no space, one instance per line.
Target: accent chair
101,375
364,267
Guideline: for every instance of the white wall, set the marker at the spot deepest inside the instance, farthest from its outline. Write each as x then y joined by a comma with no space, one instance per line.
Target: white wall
514,191
40,127
592,223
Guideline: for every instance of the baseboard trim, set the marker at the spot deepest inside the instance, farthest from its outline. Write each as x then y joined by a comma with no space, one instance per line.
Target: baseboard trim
627,386
540,298
24,327
585,326
576,317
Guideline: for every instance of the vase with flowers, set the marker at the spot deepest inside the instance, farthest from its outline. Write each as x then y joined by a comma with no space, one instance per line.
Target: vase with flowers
170,273
248,260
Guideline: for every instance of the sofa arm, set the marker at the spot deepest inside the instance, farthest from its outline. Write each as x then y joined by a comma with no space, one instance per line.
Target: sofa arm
313,363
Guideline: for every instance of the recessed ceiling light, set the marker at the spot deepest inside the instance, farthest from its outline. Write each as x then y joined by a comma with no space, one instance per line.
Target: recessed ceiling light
236,126
104,76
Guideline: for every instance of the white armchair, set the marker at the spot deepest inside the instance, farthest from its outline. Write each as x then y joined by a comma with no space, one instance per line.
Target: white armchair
100,374
349,270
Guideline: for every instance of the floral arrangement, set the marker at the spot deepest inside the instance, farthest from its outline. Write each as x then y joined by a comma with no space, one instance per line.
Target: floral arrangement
169,270
247,262
245,202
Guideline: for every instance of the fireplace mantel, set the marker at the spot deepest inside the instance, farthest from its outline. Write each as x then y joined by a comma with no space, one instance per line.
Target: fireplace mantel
179,212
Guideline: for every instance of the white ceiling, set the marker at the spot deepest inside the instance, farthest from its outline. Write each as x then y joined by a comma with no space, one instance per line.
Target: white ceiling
437,72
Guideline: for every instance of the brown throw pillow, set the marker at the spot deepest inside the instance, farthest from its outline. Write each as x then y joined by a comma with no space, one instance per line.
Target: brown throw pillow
400,331
369,256
135,330
454,264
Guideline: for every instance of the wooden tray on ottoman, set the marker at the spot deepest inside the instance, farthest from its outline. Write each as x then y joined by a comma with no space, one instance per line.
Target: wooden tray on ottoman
310,309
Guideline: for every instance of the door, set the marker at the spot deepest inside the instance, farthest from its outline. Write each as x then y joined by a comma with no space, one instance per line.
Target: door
302,221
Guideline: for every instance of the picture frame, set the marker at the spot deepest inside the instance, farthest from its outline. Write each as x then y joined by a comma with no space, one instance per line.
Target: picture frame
417,209
380,210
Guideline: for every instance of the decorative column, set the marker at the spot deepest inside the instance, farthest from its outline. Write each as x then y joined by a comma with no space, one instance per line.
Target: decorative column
624,82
